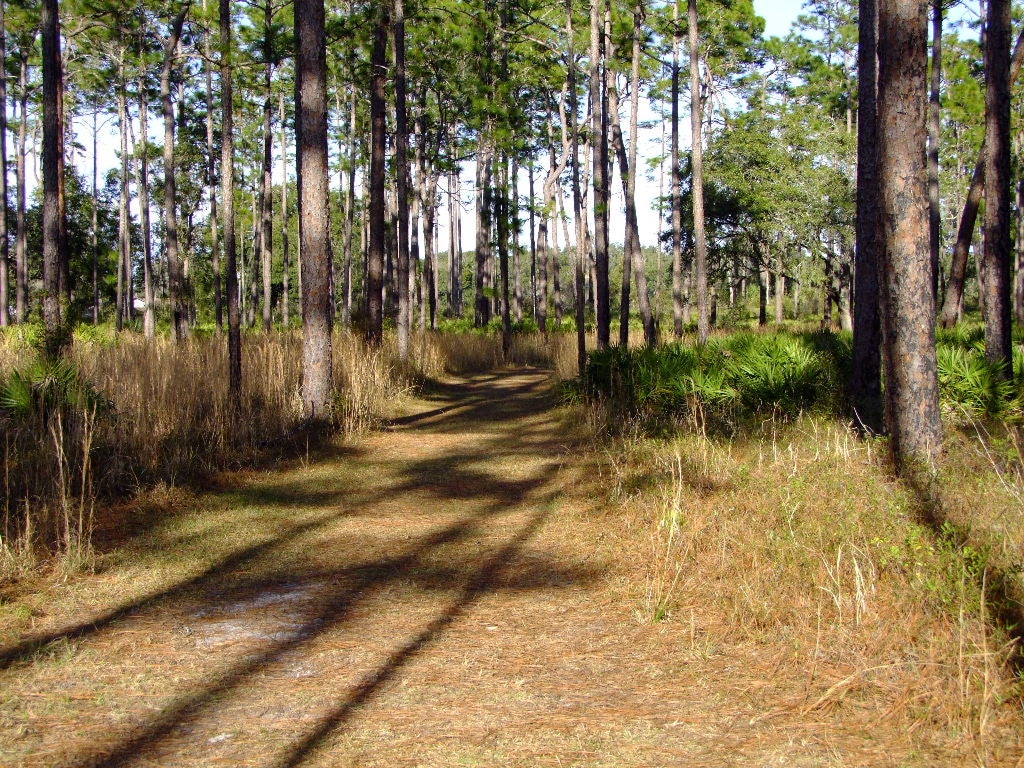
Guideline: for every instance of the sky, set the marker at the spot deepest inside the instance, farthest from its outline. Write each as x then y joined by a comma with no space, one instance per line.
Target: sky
778,15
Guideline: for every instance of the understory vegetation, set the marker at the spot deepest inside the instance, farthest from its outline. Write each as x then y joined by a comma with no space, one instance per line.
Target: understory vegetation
122,414
770,516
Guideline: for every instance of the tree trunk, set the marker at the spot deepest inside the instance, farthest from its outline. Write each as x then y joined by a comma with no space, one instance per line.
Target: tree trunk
517,286
953,304
266,184
402,183
378,139
996,260
227,169
314,221
53,255
633,261
577,198
1019,288
501,216
484,206
907,306
780,296
533,240
124,239
455,244
350,202
866,381
699,240
5,317
286,266
175,270
599,129
934,139
676,184
21,291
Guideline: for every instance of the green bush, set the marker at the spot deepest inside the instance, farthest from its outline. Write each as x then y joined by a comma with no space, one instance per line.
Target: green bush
733,376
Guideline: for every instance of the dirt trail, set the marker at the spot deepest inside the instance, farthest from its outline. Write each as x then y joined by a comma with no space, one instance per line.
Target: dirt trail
441,593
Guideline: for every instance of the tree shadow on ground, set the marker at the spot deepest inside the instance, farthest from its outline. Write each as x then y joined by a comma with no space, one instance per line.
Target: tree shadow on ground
336,592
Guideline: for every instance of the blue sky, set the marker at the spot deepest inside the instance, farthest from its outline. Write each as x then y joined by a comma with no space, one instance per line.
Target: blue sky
778,14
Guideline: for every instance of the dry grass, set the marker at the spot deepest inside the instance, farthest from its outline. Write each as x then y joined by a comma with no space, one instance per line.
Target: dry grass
798,541
172,419
771,600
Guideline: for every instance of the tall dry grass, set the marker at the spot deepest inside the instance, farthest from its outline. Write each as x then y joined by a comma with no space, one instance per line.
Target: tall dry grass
165,416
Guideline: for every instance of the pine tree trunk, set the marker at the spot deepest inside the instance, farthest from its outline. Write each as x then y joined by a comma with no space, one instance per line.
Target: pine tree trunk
378,127
227,166
5,317
314,221
402,183
266,184
124,249
907,306
21,299
677,186
53,255
866,382
577,198
996,260
175,270
148,278
599,129
934,139
484,206
697,164
286,266
1019,288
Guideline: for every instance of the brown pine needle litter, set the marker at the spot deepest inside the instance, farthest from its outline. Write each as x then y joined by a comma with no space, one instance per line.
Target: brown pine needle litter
483,583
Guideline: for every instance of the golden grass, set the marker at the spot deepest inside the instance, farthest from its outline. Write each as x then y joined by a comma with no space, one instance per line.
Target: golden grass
172,419
798,537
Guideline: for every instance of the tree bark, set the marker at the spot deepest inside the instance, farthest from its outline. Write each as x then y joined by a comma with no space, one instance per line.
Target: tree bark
907,306
266,184
484,207
53,254
5,317
21,299
599,129
697,166
227,172
997,255
676,184
866,381
934,139
175,269
314,221
286,266
124,256
402,183
378,127
148,286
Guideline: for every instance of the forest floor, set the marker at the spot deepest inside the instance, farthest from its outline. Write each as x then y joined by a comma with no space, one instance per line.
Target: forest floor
453,590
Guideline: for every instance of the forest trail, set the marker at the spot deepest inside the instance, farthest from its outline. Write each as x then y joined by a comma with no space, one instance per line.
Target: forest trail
449,591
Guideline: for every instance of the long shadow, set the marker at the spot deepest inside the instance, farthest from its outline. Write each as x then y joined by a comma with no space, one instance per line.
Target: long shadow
481,582
476,484
333,613
447,478
27,648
